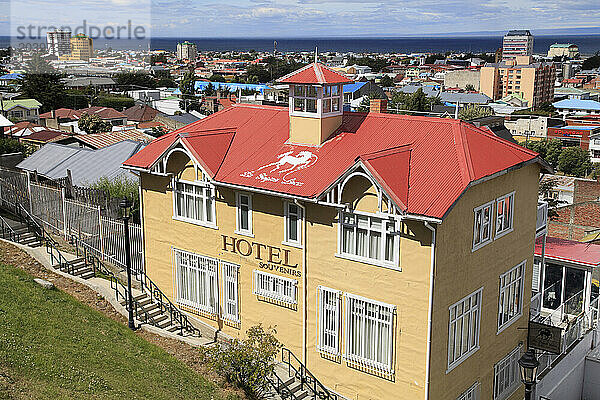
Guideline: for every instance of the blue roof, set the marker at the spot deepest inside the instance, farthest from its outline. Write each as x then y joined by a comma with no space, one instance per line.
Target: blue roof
353,87
580,128
10,77
232,87
578,104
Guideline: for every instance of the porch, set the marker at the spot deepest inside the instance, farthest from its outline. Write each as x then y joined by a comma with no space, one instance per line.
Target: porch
565,291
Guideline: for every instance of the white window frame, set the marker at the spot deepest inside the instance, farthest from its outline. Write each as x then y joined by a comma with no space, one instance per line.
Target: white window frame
231,299
203,221
497,218
357,353
477,234
383,239
205,273
238,219
286,222
511,284
507,368
471,393
304,97
455,320
329,320
275,287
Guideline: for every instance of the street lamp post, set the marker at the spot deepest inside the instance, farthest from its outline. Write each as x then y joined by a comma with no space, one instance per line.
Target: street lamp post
528,364
125,206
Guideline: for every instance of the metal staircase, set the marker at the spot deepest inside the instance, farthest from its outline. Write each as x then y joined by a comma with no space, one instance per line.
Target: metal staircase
292,380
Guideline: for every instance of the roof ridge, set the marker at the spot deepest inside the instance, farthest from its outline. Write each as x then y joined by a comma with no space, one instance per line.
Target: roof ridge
464,157
318,72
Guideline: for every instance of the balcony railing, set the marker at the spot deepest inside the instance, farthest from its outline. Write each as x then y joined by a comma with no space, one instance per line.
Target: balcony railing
542,219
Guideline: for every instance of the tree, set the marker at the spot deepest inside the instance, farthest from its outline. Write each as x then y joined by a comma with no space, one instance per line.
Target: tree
217,78
431,59
134,80
591,62
187,85
93,124
165,82
37,65
469,88
119,187
418,101
545,192
473,111
574,161
158,59
258,73
386,81
158,131
246,363
45,88
8,146
209,90
116,102
549,150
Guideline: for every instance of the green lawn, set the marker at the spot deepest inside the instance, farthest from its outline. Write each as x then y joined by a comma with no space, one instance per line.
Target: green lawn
52,346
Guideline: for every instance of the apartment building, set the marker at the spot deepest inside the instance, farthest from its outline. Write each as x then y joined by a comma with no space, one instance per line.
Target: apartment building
527,127
59,42
567,50
187,51
375,243
517,43
82,48
534,82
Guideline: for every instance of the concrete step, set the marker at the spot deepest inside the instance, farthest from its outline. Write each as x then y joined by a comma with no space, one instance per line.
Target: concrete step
174,328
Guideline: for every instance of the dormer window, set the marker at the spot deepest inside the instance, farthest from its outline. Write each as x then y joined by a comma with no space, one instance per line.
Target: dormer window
317,101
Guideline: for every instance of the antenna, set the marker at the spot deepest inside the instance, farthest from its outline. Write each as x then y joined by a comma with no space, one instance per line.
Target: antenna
316,52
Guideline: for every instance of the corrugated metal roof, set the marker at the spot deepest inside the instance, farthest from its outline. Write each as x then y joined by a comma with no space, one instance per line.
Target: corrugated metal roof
315,73
570,251
87,166
577,104
446,155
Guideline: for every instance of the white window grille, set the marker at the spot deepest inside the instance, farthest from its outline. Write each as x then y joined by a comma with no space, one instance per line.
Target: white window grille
329,320
305,98
331,99
275,287
482,227
293,224
196,281
369,333
244,214
230,291
504,214
369,239
194,202
463,332
510,305
506,375
471,393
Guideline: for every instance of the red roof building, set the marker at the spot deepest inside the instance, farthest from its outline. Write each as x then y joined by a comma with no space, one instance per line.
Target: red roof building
425,164
315,73
570,251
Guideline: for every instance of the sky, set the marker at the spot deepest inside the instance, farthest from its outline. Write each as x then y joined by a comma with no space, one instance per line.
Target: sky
301,18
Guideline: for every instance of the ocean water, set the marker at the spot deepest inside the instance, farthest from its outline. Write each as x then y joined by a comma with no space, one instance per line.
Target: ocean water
588,44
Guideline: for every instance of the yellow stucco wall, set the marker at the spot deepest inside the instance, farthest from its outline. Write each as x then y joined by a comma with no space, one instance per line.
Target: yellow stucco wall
459,272
312,131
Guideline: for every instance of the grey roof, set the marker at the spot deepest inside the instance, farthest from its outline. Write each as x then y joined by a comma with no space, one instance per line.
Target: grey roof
86,165
519,32
86,81
448,97
186,118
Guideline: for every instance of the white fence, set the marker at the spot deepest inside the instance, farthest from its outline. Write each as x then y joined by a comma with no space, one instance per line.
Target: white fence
102,235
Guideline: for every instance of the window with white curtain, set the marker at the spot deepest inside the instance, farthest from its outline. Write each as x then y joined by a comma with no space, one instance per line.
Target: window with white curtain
367,238
507,375
471,393
194,202
482,227
196,277
275,287
369,333
244,214
292,224
329,320
230,291
463,330
510,305
504,214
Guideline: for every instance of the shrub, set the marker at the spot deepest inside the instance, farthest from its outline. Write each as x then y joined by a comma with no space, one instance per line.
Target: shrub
246,363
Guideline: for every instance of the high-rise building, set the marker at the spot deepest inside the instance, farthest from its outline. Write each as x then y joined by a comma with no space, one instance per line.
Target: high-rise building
533,82
82,47
517,43
187,51
59,42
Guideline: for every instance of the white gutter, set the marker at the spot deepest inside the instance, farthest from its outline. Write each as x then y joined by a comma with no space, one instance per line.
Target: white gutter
304,284
430,310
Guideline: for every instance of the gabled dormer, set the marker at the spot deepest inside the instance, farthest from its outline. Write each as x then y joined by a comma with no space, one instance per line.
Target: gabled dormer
316,96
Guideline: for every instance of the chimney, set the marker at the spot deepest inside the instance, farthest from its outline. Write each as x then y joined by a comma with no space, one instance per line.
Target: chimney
378,106
52,114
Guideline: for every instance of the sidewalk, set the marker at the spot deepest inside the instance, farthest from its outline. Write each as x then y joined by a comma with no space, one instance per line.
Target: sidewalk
102,287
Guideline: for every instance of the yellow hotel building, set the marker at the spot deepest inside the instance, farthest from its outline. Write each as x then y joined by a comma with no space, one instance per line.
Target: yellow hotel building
392,253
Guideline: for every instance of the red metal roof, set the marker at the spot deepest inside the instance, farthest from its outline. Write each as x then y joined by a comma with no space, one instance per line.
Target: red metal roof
315,73
587,254
424,163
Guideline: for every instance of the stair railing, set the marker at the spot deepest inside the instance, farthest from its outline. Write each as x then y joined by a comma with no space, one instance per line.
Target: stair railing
281,387
307,379
148,286
8,232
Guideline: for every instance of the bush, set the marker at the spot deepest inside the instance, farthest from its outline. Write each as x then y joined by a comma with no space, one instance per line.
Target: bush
118,188
8,146
117,102
246,363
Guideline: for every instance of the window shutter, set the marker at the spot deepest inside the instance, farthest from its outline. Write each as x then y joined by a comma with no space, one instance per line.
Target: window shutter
535,281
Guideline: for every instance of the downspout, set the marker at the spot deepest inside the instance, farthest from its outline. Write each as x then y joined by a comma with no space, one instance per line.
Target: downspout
430,310
304,284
